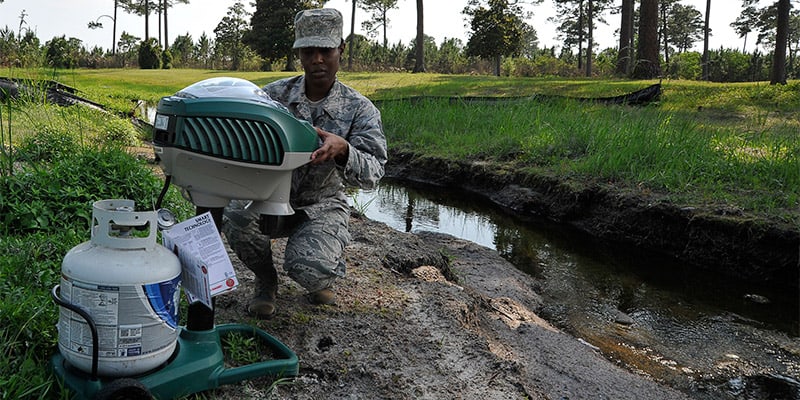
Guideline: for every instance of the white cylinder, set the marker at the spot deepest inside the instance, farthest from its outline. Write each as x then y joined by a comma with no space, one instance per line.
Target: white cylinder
129,284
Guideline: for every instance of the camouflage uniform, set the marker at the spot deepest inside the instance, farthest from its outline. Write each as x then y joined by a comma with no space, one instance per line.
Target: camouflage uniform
318,233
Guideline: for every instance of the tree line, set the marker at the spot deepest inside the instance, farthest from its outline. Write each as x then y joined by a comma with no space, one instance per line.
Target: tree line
655,40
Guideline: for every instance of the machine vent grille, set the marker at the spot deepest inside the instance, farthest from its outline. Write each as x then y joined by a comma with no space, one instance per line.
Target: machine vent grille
233,139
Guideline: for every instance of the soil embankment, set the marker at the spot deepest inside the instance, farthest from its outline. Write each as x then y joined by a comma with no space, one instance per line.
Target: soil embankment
723,239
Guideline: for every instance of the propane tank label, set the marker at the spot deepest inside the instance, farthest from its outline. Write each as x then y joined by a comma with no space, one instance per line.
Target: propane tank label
164,298
131,320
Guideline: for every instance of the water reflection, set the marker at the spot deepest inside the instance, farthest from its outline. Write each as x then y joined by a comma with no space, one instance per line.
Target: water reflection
409,211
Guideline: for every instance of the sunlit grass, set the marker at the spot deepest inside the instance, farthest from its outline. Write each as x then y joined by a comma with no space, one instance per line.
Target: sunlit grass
643,149
702,142
731,101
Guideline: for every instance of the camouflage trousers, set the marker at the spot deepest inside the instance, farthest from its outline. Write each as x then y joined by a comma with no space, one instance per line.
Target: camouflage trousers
314,255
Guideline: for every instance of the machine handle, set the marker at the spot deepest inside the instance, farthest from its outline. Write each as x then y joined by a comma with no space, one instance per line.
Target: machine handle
284,364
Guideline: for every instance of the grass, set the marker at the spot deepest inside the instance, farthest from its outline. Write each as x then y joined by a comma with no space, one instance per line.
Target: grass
720,144
55,163
633,148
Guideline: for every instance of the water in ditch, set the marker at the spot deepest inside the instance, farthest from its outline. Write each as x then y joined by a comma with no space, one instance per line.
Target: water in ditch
690,329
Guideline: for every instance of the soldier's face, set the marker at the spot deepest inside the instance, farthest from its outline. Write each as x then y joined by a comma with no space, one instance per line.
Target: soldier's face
320,65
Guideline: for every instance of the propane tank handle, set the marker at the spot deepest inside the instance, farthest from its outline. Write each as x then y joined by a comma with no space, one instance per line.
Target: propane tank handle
113,220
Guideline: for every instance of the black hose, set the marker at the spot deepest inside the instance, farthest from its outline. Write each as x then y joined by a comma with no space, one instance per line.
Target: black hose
89,320
163,192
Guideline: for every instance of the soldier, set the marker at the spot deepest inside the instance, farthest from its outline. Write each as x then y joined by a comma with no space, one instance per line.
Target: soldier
352,152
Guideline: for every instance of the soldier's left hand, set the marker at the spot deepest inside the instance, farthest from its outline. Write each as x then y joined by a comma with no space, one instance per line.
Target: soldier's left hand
333,147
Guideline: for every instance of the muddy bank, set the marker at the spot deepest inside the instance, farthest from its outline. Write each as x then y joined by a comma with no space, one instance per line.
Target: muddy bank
719,238
428,316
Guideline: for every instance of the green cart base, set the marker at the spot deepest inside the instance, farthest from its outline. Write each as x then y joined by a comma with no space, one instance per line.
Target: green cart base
196,366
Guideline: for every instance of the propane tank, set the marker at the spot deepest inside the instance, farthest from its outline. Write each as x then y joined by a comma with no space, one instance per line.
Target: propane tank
129,285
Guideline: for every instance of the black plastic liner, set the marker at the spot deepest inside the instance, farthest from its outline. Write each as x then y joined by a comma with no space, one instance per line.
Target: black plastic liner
640,97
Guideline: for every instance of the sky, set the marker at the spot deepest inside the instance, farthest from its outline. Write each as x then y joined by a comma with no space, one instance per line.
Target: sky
443,19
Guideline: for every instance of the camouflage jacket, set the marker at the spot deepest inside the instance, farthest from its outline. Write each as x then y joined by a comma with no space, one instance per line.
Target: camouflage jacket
346,113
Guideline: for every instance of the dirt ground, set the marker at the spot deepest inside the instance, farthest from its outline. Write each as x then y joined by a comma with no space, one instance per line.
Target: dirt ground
427,316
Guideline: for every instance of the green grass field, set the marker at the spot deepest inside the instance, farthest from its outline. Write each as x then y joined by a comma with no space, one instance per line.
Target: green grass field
108,86
733,144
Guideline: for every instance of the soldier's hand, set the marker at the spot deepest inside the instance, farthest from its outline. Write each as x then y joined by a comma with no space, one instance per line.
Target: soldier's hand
333,147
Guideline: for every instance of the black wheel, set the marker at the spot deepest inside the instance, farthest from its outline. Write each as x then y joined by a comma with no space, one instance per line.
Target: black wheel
123,389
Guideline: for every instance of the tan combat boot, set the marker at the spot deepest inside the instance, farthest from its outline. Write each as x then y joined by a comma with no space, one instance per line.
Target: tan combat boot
324,296
262,305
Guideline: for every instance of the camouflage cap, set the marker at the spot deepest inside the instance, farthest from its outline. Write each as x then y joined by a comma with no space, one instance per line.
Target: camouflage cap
321,27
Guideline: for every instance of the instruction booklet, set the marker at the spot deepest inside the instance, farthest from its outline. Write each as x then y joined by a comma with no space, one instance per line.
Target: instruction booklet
206,268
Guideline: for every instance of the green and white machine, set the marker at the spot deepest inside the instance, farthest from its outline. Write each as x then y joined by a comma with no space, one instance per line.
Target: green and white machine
218,140
224,139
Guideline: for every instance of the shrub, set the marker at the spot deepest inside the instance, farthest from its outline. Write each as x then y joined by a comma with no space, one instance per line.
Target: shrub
726,65
48,197
166,59
686,65
48,144
149,55
119,132
62,52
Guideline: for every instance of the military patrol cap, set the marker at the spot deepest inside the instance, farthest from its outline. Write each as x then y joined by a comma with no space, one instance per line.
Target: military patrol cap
320,27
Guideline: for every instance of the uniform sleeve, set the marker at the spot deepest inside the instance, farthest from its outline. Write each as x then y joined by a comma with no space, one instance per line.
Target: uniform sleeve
368,155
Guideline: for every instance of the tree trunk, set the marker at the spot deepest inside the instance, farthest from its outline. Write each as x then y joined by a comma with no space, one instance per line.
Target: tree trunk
166,36
625,35
160,9
589,42
632,34
352,38
580,35
497,65
290,62
647,60
385,39
419,64
706,31
666,37
781,42
744,45
114,31
146,20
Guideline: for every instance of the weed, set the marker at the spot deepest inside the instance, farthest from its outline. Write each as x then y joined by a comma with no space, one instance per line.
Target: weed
276,383
45,209
241,349
300,318
48,144
359,206
6,146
